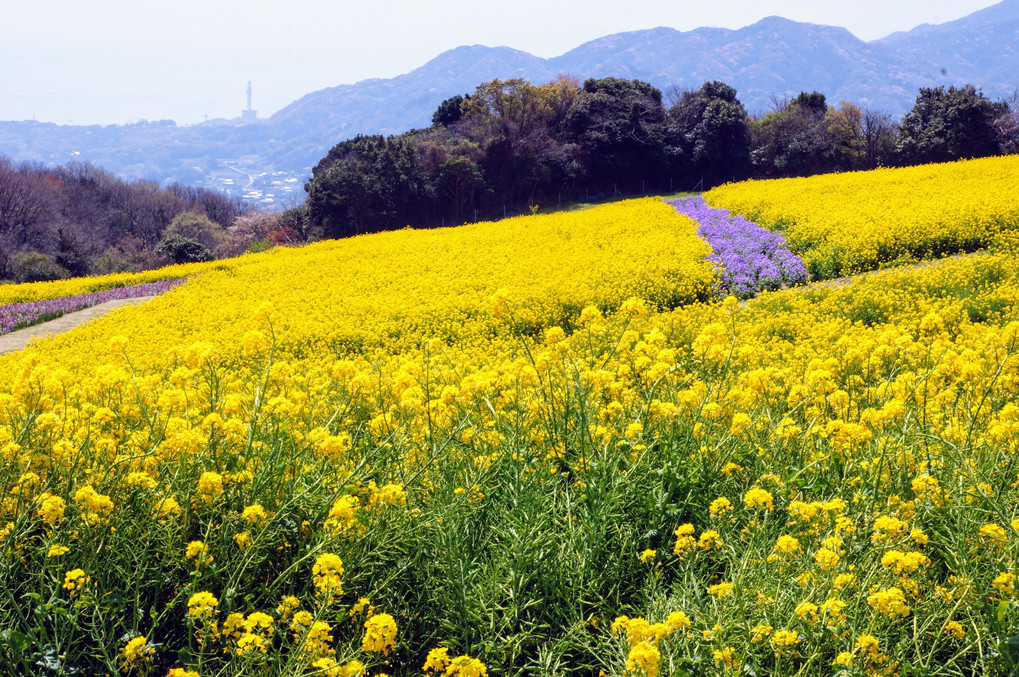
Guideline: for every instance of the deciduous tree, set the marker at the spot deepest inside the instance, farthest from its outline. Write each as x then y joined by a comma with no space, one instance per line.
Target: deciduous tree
198,227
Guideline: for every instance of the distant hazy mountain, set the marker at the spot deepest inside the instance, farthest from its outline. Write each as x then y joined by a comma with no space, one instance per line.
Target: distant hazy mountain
773,58
317,121
982,48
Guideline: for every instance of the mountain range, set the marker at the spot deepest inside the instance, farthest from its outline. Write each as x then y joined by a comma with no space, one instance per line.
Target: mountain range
767,61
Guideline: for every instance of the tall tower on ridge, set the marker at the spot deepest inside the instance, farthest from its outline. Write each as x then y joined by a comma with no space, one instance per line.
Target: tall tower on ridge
249,115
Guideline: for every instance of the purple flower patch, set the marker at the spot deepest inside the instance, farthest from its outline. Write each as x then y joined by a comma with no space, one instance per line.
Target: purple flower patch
18,315
750,258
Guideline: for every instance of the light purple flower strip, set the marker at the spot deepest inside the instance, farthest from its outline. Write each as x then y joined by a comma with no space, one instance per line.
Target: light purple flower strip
19,315
751,259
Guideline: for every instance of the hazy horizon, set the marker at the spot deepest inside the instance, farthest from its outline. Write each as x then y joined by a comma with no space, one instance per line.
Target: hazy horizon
119,61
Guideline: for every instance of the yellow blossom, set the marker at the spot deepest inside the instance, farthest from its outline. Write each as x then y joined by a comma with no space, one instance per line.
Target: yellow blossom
955,629
784,642
643,659
198,551
890,601
720,590
202,605
51,509
759,498
327,574
75,580
135,653
993,534
787,545
436,660
684,539
1004,583
379,634
720,506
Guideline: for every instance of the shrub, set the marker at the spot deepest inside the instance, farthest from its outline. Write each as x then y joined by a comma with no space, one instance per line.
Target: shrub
183,250
197,227
37,267
257,246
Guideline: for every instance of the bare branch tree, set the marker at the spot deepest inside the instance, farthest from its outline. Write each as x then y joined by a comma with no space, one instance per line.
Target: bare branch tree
1006,125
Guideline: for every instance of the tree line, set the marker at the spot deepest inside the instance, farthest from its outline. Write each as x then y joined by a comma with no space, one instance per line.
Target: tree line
506,148
511,145
79,219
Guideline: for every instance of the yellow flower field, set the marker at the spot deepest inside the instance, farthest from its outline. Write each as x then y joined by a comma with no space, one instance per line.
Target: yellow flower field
437,453
44,291
847,223
394,290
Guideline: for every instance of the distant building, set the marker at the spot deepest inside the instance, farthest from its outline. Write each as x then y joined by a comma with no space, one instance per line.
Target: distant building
249,114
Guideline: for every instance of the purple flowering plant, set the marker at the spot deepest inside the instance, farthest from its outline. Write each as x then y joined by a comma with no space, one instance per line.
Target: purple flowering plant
750,258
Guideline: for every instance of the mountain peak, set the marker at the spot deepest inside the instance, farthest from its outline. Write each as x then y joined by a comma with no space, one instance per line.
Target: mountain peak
775,20
472,57
476,50
803,28
1005,12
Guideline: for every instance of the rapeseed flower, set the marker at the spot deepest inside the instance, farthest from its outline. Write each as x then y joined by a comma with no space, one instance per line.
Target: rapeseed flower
955,629
869,219
759,498
135,653
379,634
721,590
437,660
643,659
75,580
465,666
202,606
720,506
51,509
1004,583
890,602
327,575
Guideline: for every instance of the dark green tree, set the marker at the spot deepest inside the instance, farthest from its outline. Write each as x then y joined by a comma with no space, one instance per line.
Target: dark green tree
949,124
37,267
365,185
795,140
179,249
812,103
708,136
449,111
296,219
879,133
460,179
1006,125
511,122
620,126
70,254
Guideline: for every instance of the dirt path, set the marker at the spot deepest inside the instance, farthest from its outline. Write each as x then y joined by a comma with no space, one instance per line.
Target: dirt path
17,340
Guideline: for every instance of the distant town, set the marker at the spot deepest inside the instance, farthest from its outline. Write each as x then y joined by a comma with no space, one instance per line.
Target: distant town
247,178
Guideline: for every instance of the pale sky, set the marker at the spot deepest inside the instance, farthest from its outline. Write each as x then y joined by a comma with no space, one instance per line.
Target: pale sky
119,61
